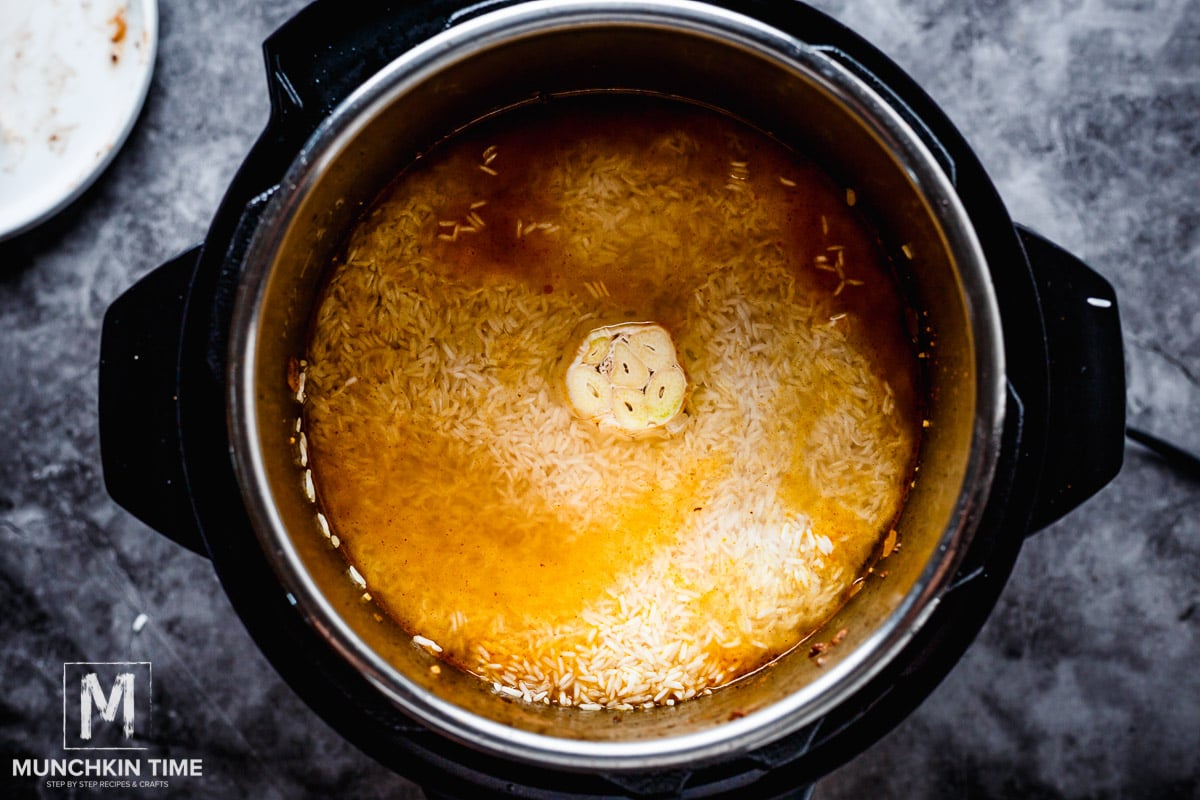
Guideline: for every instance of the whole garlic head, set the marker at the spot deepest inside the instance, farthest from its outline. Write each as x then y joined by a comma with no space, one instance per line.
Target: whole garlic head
627,378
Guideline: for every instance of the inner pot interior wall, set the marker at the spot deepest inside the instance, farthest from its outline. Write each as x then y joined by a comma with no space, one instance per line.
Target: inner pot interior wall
367,144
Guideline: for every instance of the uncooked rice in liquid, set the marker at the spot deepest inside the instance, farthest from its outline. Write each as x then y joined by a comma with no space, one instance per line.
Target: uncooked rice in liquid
566,564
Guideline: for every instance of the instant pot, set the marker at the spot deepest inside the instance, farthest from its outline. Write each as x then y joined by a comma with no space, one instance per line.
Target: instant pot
1021,342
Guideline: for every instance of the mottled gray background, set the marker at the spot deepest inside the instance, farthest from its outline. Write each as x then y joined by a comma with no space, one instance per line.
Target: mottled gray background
1086,680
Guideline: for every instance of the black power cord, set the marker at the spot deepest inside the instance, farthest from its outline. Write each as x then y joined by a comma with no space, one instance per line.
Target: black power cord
1177,458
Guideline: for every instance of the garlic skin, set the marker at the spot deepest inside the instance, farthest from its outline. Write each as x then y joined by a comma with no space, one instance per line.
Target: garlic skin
627,378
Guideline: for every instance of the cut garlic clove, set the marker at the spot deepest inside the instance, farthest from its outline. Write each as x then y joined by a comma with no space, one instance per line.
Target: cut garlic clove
627,369
653,346
589,391
629,408
665,394
596,349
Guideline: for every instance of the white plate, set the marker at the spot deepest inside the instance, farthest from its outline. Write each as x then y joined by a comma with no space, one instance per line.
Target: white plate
73,77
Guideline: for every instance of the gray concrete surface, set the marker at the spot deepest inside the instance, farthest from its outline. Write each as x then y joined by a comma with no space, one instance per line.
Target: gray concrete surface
1085,682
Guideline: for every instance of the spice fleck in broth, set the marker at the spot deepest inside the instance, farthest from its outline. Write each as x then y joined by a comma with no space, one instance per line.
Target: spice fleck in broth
571,548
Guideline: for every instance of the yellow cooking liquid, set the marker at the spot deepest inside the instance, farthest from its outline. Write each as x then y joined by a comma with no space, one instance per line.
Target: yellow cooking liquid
542,544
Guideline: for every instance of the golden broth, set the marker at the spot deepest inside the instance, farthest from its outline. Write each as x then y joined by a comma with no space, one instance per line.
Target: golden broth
565,562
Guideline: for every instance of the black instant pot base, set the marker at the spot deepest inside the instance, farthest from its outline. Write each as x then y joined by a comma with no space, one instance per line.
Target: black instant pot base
314,61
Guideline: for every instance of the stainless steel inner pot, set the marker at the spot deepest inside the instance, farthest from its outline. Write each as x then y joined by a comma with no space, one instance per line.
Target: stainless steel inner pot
530,53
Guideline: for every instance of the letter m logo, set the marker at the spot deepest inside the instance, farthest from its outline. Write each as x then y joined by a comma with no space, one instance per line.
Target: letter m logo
105,705
90,692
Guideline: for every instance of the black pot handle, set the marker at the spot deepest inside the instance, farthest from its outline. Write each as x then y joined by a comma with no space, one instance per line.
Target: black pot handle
1086,439
139,426
321,55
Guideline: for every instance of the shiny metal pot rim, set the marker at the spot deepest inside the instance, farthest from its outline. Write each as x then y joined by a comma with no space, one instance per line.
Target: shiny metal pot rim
671,47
